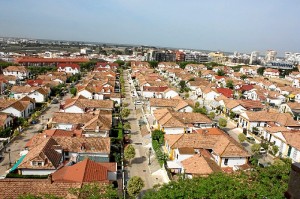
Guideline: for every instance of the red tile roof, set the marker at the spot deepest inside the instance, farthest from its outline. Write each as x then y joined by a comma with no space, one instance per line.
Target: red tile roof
51,60
84,171
226,92
246,87
35,82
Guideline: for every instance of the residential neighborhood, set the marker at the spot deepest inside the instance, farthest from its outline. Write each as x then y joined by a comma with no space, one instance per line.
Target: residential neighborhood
66,122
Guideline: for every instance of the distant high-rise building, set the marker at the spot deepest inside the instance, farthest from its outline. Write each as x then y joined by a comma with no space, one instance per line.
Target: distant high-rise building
163,56
254,57
180,56
270,55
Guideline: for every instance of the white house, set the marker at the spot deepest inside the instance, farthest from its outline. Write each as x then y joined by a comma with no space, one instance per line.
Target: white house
212,142
18,71
286,140
39,94
68,68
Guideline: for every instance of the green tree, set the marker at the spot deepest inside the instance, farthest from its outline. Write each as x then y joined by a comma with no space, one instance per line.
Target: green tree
125,112
201,110
158,135
127,126
153,64
222,122
129,152
40,196
275,149
73,91
182,85
243,77
95,191
260,71
229,84
197,104
199,74
242,137
120,62
211,115
220,72
255,148
269,182
135,185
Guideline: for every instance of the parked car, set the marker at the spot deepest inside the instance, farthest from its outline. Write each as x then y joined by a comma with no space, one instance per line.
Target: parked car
54,101
262,151
127,131
34,121
138,103
251,139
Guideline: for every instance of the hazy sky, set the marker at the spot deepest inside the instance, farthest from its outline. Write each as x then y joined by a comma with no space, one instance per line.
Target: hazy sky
226,25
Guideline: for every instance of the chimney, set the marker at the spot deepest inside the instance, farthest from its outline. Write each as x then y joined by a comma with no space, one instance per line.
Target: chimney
293,191
50,178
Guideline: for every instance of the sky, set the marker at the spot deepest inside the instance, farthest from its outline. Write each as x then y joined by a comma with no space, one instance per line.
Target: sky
217,25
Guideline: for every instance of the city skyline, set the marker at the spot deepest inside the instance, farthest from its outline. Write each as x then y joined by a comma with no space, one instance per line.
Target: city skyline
225,26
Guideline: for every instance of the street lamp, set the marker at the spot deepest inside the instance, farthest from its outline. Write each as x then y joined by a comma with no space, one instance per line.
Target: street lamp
150,150
9,157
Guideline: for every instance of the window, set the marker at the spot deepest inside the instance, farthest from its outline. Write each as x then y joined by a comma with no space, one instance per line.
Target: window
40,163
226,161
294,154
66,153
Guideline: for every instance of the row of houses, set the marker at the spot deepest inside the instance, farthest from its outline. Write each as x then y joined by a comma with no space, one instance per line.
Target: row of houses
75,149
253,104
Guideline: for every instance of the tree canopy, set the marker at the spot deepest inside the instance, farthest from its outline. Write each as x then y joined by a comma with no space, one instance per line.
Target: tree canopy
269,182
134,186
260,70
129,152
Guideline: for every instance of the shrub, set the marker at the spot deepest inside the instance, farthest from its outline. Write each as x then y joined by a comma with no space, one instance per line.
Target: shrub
222,122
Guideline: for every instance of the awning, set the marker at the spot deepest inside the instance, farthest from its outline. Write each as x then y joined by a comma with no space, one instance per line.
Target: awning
173,165
17,163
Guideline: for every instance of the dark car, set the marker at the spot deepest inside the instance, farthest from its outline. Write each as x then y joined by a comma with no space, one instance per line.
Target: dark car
54,101
251,139
34,122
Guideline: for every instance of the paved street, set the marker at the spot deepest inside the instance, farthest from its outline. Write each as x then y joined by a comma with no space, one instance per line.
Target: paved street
17,144
139,165
233,131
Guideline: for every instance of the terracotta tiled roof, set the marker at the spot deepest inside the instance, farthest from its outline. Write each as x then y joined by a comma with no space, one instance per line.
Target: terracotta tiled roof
284,119
91,144
13,188
155,88
43,151
276,129
211,138
74,144
226,92
168,118
89,103
200,165
292,138
50,60
294,105
15,69
84,171
64,133
3,117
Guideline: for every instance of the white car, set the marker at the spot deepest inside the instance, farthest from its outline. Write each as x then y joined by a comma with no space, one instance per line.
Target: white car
138,103
262,151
